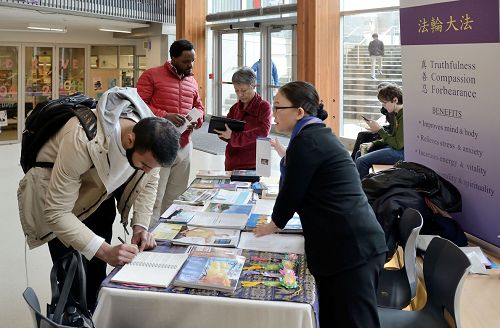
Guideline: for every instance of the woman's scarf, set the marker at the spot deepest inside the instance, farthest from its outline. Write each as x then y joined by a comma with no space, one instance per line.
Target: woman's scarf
302,123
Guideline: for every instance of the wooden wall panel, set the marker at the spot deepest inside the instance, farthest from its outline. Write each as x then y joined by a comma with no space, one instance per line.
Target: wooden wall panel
318,52
190,25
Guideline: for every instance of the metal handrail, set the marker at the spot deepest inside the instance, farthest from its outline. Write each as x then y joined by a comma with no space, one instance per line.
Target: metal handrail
393,29
160,11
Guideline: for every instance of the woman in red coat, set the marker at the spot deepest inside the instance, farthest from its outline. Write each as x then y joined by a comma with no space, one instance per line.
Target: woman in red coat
256,112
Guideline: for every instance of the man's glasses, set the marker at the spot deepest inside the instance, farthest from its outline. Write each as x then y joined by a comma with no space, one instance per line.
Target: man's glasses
276,108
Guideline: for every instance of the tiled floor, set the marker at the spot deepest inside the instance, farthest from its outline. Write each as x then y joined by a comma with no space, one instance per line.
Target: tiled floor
13,281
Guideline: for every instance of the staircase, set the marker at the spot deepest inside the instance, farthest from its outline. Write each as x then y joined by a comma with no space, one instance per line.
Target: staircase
360,90
228,103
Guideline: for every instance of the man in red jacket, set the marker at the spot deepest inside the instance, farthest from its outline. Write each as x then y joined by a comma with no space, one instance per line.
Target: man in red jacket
171,91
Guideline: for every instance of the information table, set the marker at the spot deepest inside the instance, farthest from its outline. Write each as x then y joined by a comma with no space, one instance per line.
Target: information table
258,306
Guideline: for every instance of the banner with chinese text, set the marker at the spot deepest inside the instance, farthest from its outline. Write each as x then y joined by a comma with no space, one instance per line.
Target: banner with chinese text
450,58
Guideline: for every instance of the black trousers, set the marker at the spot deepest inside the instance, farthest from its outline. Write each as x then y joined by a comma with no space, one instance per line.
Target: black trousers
363,136
101,223
349,299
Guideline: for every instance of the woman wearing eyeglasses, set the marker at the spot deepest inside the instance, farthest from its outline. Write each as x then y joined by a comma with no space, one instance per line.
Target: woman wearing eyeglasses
345,245
256,112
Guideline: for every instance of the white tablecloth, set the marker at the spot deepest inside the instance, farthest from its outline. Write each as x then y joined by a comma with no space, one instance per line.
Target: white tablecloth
129,308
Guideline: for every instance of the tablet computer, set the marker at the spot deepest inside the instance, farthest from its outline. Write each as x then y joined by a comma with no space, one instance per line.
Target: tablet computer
218,123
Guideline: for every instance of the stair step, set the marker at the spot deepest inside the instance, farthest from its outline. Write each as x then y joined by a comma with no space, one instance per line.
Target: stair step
385,70
367,57
354,62
367,76
367,65
360,90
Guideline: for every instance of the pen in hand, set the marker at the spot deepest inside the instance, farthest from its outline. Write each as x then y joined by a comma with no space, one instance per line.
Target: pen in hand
123,242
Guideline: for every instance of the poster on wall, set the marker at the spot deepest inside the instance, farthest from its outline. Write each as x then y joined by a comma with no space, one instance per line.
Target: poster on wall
3,118
450,52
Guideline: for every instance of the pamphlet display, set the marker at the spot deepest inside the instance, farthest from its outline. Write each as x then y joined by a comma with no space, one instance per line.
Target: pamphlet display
205,236
263,157
211,270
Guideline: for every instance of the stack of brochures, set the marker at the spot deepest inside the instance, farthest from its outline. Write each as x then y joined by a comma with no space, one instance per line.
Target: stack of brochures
263,156
166,231
213,174
239,197
214,215
245,175
205,236
271,191
195,196
211,268
293,226
277,243
209,183
176,208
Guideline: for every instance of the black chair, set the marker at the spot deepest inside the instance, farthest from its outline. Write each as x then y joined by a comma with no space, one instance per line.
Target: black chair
445,267
397,287
39,319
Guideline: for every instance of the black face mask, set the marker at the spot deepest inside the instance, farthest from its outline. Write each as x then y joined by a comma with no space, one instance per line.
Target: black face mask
129,152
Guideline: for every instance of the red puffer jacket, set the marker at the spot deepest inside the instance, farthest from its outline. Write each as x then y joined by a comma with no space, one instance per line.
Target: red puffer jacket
166,92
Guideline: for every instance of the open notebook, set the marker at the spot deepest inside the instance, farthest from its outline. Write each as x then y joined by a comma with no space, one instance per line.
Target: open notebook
151,269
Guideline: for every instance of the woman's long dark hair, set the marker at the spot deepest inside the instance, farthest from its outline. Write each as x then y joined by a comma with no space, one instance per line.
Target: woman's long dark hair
304,94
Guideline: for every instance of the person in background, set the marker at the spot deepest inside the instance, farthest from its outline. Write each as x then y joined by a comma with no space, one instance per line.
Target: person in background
391,98
376,51
344,244
256,112
72,205
171,92
368,136
274,73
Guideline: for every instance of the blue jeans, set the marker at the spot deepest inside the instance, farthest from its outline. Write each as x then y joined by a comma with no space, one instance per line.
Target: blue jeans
383,156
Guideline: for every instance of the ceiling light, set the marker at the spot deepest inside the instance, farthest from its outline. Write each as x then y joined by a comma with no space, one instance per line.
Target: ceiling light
48,29
117,30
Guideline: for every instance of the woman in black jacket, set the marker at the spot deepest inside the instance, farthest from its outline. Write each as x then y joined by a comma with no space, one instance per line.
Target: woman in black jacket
344,243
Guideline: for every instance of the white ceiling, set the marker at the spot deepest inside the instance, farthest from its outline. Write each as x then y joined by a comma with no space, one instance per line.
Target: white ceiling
19,19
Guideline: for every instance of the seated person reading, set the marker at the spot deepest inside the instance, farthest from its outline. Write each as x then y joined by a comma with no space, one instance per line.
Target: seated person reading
391,98
368,136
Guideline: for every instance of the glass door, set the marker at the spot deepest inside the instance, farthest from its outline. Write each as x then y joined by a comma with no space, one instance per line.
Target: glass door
38,76
251,54
104,69
269,50
127,66
281,67
141,65
9,97
71,71
229,64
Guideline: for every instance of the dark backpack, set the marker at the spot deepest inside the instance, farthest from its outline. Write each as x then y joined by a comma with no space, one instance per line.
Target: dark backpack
68,306
49,117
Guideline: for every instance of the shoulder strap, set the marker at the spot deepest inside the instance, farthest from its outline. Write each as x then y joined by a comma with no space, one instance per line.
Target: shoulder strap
82,284
87,119
72,265
68,263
